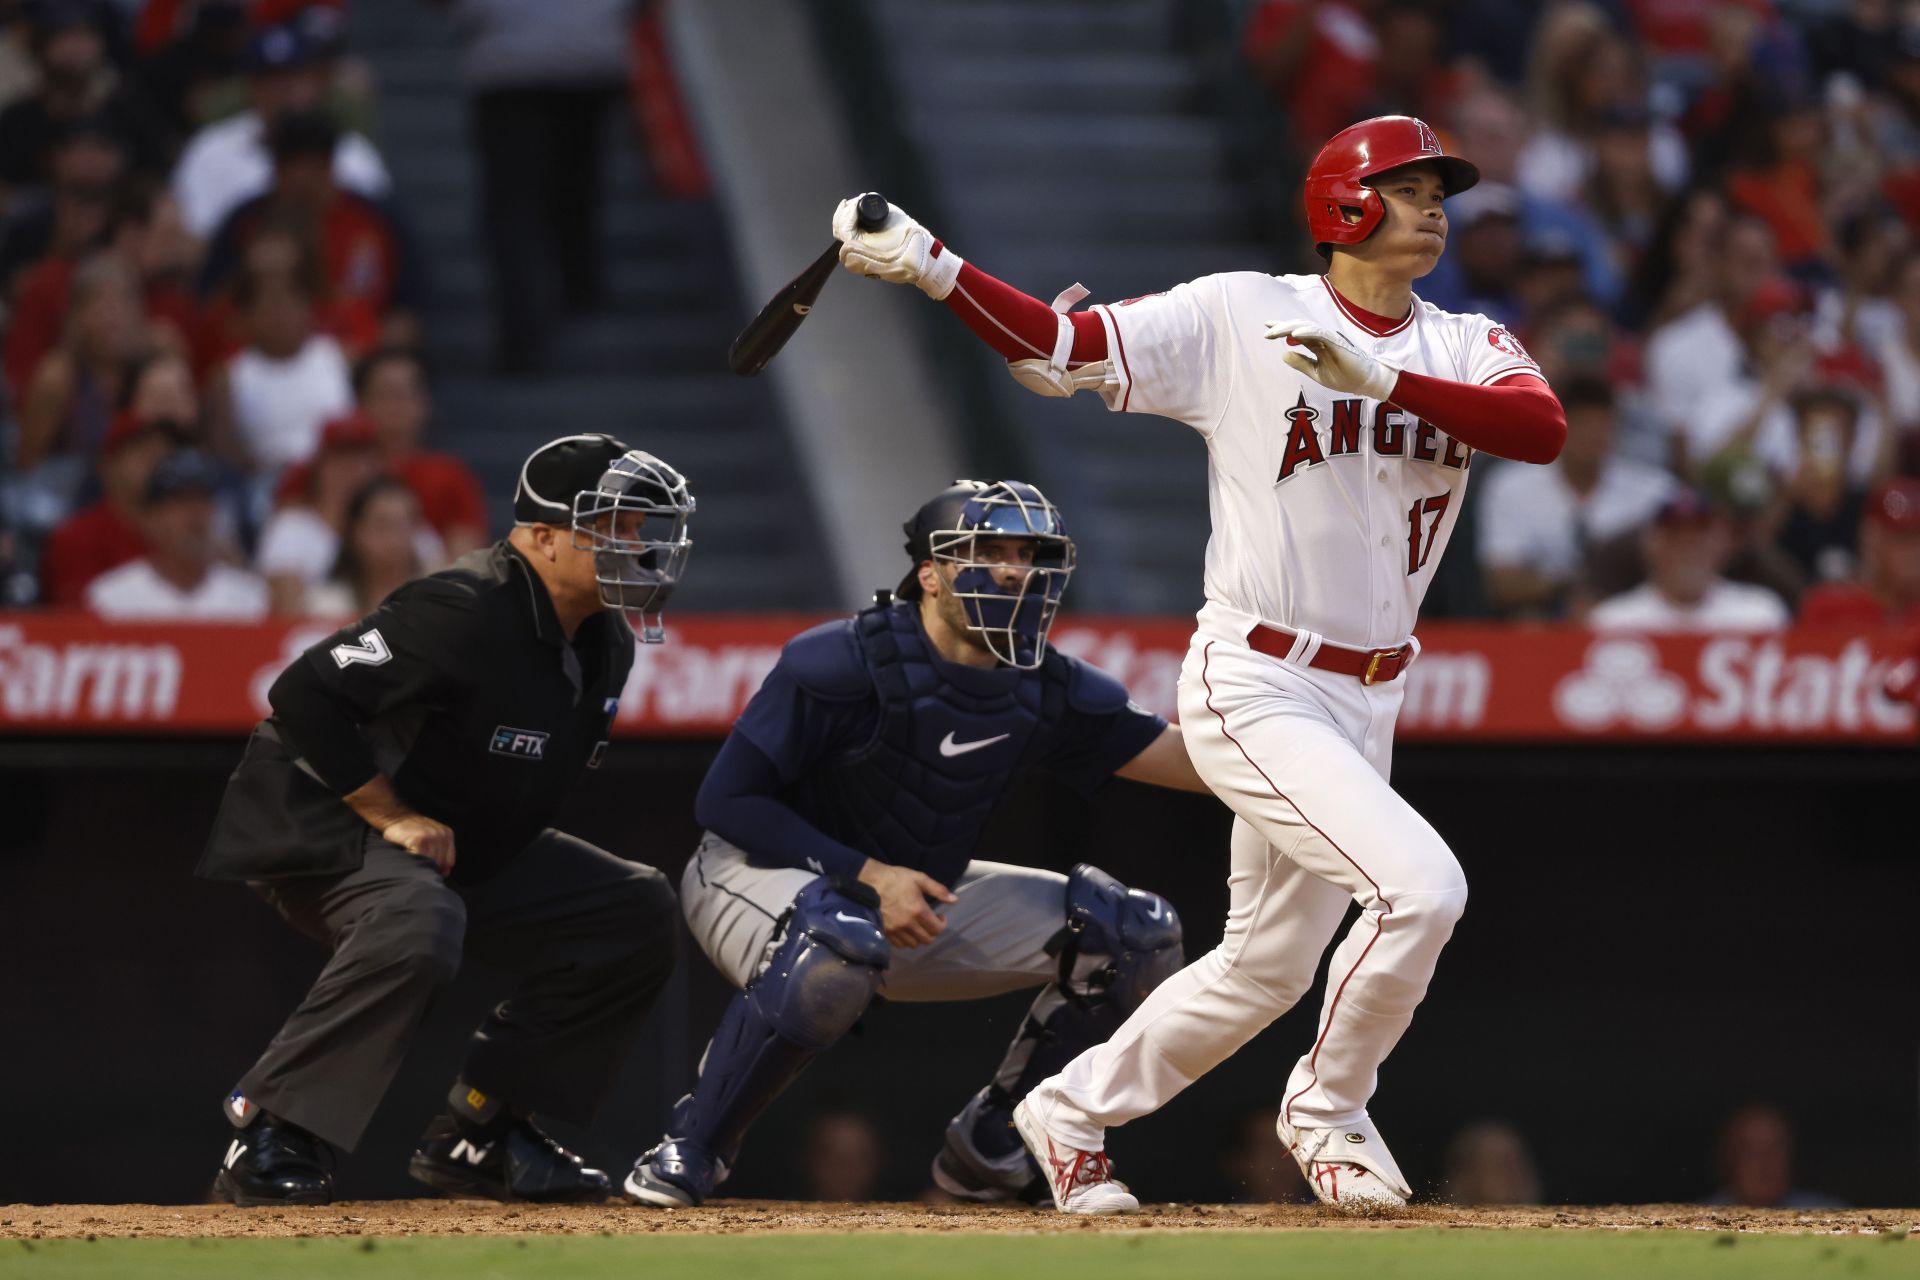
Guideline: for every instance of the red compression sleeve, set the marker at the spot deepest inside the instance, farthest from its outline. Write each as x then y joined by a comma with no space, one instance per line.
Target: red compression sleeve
1518,417
1017,326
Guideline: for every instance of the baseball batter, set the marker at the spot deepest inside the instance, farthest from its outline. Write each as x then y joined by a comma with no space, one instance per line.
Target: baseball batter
1342,415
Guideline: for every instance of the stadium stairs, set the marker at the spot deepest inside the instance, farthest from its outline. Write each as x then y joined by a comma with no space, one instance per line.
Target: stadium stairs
650,368
1066,140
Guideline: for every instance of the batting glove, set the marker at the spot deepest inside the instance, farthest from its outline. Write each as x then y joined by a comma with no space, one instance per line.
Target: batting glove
900,251
1326,357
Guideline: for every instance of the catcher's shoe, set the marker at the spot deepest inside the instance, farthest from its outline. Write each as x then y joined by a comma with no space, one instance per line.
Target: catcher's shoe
1349,1167
273,1161
676,1174
1081,1181
983,1159
511,1160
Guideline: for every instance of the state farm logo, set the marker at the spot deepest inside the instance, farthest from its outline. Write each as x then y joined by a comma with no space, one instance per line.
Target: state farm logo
86,680
1735,685
1447,691
1621,681
693,685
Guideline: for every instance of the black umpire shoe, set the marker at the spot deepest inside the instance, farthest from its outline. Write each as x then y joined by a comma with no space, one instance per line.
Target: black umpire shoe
273,1161
512,1160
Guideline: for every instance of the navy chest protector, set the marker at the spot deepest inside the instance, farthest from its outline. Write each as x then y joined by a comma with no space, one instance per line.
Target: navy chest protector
948,741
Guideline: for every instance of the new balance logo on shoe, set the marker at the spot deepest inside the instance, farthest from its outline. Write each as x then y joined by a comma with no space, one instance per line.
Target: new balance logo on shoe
464,1150
235,1150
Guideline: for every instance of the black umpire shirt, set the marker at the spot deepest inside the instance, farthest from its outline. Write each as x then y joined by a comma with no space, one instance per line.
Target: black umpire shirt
462,689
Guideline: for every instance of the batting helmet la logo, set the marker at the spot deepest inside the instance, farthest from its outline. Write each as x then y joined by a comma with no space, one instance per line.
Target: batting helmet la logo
1428,141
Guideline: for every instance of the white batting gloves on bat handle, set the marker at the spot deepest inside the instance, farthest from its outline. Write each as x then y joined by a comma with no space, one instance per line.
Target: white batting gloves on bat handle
1325,357
900,251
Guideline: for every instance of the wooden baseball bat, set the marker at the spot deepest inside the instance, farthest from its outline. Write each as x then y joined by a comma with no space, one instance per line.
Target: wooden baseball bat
768,331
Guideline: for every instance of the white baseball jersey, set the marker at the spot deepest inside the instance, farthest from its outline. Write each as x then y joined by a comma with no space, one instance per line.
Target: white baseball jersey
1330,512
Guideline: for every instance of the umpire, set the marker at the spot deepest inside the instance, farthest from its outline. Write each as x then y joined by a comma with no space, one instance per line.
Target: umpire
395,807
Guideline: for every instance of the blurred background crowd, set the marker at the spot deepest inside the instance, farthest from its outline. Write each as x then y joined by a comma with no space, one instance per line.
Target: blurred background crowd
211,300
1698,214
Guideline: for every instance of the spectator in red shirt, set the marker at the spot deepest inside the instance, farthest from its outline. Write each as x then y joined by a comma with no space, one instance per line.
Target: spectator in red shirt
1331,62
1780,183
302,541
69,400
106,534
366,256
1887,592
143,231
390,385
1318,60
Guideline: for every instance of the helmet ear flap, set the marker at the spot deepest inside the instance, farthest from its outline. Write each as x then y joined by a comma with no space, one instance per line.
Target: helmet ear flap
1343,196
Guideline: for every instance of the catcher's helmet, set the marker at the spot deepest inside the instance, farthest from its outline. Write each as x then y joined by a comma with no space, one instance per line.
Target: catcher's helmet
583,483
1013,620
1336,181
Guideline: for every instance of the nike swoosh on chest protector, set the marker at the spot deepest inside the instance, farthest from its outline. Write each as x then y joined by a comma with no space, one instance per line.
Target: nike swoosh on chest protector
950,748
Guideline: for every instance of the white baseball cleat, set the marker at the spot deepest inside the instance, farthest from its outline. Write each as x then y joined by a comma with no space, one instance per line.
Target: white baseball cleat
1081,1181
1348,1167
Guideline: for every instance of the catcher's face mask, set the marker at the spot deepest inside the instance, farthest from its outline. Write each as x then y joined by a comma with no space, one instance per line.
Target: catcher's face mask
634,521
1006,600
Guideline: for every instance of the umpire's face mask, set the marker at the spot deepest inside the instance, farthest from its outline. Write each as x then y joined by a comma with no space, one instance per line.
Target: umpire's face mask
635,524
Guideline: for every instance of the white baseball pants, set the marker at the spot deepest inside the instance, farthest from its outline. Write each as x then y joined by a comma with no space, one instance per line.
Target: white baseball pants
1301,756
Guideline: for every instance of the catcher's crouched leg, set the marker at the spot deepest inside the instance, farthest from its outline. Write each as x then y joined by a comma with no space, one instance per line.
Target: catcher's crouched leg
821,977
1117,945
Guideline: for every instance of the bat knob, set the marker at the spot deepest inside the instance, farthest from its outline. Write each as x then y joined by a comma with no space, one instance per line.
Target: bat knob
870,214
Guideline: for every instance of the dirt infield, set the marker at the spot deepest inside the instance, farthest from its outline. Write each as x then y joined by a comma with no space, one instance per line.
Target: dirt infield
454,1218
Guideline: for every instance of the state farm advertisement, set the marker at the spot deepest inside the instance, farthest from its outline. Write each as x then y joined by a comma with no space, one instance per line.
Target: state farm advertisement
65,674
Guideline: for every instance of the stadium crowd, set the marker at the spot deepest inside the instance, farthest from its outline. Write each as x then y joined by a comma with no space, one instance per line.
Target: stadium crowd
1698,214
214,400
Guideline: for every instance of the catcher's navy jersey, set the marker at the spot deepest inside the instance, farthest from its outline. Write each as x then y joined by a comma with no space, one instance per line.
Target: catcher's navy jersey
896,754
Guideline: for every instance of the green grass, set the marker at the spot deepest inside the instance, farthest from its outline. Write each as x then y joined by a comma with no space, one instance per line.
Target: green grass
1296,1255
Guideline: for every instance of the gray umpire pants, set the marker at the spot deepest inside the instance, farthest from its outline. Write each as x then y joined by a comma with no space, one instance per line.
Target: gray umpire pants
591,937
995,939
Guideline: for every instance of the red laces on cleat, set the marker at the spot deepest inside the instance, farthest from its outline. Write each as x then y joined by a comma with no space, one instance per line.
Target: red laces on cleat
1090,1168
1087,1169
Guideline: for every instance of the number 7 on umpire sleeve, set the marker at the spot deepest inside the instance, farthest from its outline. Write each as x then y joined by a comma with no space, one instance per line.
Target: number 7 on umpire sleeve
1420,542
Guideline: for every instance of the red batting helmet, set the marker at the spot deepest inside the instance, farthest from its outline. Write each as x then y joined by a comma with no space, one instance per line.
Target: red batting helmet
1336,181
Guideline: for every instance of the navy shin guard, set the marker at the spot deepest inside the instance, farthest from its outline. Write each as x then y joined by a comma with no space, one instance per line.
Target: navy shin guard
822,976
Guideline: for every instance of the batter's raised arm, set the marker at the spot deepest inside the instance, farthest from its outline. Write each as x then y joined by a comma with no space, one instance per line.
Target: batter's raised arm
1517,417
1050,350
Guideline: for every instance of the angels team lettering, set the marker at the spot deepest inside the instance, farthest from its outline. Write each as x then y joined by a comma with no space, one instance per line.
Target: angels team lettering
1345,430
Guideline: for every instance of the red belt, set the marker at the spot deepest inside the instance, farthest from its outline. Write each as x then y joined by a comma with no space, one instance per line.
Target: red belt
1369,666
